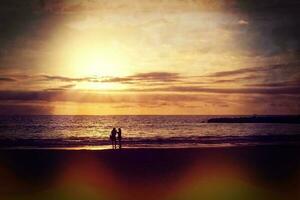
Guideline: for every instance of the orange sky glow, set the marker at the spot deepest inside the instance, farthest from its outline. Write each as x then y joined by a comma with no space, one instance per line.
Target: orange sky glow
122,57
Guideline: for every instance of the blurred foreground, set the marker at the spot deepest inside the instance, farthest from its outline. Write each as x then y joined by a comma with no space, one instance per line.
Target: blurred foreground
262,172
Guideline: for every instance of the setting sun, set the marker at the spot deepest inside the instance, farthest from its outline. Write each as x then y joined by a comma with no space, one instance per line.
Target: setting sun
90,53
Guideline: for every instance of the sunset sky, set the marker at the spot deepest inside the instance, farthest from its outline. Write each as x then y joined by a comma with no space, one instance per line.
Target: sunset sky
149,57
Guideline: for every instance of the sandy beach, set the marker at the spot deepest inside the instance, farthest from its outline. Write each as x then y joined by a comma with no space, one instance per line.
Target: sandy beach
258,172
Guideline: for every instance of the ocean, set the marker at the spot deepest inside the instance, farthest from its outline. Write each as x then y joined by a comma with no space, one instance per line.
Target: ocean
92,132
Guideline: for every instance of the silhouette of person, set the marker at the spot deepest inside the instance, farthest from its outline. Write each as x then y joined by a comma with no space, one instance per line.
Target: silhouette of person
119,135
113,138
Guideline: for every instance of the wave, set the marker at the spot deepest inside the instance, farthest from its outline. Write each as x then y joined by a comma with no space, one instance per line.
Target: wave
155,141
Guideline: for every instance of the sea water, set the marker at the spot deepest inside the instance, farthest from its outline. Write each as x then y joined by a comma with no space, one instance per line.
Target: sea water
139,131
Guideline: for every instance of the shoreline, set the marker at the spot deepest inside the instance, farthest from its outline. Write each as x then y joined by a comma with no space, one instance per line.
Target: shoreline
173,142
147,146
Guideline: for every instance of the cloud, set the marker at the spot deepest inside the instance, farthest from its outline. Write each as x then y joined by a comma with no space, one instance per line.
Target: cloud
61,88
25,109
90,97
240,71
293,83
63,78
157,76
146,77
136,78
256,70
116,100
253,77
149,95
246,80
6,79
29,102
243,90
126,80
280,75
282,103
27,95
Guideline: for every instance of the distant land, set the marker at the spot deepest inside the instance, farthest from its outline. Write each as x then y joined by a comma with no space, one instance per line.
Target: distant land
294,119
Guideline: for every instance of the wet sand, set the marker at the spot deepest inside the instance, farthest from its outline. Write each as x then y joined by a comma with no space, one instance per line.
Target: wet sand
258,172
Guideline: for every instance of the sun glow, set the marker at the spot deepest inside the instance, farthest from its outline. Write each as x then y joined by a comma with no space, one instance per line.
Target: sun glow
93,54
97,62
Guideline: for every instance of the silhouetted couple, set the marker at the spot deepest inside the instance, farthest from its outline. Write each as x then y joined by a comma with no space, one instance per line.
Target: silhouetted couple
114,136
